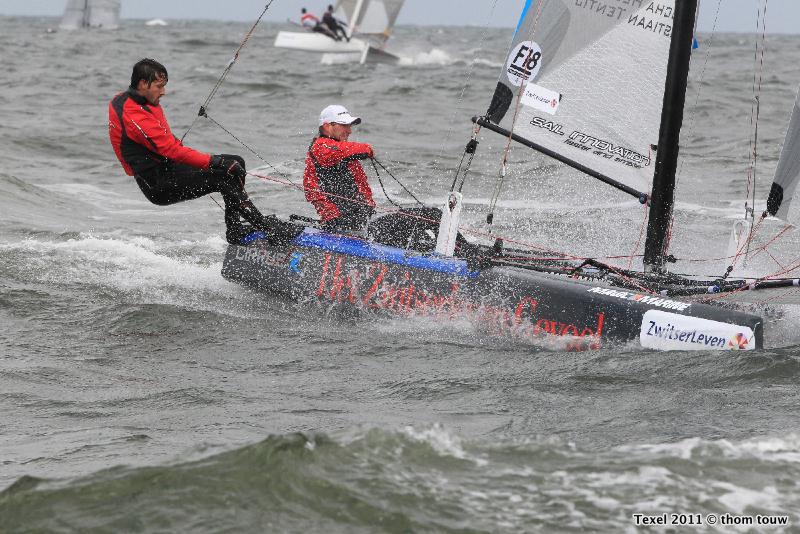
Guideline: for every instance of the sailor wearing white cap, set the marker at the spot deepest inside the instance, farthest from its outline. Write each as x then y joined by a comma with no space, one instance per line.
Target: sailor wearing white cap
334,180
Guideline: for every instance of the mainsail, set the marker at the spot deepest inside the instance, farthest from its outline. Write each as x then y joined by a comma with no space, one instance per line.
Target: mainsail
788,172
91,14
585,80
370,17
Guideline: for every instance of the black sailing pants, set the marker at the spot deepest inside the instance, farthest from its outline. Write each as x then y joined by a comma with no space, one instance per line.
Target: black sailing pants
175,182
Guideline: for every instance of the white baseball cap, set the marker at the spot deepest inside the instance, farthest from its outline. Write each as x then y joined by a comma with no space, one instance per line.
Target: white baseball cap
338,115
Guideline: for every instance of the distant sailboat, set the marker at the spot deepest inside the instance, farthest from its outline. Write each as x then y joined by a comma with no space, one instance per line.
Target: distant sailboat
369,26
91,14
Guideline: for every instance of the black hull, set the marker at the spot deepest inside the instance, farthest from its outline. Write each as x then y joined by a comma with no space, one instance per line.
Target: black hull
511,301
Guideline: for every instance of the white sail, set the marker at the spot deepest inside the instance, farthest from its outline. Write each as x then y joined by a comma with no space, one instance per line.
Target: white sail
104,14
91,14
370,17
74,15
787,173
586,80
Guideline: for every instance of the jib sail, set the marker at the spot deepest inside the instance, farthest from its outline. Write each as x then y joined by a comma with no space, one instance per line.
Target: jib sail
586,80
787,173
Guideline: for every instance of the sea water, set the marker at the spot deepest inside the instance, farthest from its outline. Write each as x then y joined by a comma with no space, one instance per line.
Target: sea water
140,391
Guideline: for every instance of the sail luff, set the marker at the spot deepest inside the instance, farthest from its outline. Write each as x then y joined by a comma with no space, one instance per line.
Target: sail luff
663,193
787,174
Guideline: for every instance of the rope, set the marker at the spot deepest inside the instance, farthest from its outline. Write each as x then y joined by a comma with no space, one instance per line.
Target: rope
747,287
471,148
507,150
380,181
207,102
374,161
256,154
639,242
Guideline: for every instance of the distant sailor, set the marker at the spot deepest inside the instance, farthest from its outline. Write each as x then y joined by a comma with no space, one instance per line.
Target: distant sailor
334,180
167,171
307,20
336,26
311,22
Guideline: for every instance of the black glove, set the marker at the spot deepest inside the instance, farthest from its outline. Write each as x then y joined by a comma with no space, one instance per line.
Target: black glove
229,164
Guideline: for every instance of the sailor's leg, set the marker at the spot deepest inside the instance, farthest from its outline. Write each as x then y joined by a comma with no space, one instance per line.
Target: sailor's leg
333,32
182,182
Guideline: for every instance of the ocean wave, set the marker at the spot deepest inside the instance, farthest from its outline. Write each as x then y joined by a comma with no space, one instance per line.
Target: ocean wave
417,479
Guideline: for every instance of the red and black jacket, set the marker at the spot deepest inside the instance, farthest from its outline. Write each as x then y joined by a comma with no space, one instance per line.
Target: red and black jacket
141,136
333,175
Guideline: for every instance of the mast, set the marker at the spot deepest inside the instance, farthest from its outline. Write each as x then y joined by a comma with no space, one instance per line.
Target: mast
356,14
663,194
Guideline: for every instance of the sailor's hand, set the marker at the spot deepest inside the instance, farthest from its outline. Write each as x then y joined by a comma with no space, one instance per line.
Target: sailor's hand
371,152
228,164
326,210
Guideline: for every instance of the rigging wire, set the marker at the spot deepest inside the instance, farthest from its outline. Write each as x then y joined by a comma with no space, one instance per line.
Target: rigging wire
464,88
761,18
207,102
755,111
502,172
245,145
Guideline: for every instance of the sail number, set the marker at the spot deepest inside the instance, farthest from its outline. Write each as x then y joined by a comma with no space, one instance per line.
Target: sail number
524,62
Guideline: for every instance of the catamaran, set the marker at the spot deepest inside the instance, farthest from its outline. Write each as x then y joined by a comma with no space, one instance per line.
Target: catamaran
418,261
369,25
91,14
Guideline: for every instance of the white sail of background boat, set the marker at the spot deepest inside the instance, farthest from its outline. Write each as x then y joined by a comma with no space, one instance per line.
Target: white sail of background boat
91,14
369,25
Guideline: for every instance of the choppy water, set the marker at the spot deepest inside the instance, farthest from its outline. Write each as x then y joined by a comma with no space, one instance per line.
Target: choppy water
139,391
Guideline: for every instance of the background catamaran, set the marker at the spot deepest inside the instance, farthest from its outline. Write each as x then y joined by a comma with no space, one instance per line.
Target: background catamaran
569,89
91,14
369,27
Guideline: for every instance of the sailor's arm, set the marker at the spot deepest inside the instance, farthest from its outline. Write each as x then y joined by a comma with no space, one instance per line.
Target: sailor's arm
148,131
330,152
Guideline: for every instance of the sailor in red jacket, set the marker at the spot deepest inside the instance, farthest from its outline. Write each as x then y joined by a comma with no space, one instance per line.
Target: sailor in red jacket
167,171
334,181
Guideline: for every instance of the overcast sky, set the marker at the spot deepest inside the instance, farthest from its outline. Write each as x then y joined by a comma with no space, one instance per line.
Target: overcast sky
783,16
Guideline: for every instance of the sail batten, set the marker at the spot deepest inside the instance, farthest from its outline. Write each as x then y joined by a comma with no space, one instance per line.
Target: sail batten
588,83
787,174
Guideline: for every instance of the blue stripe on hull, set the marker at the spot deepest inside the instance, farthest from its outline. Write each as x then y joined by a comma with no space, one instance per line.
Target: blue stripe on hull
357,247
